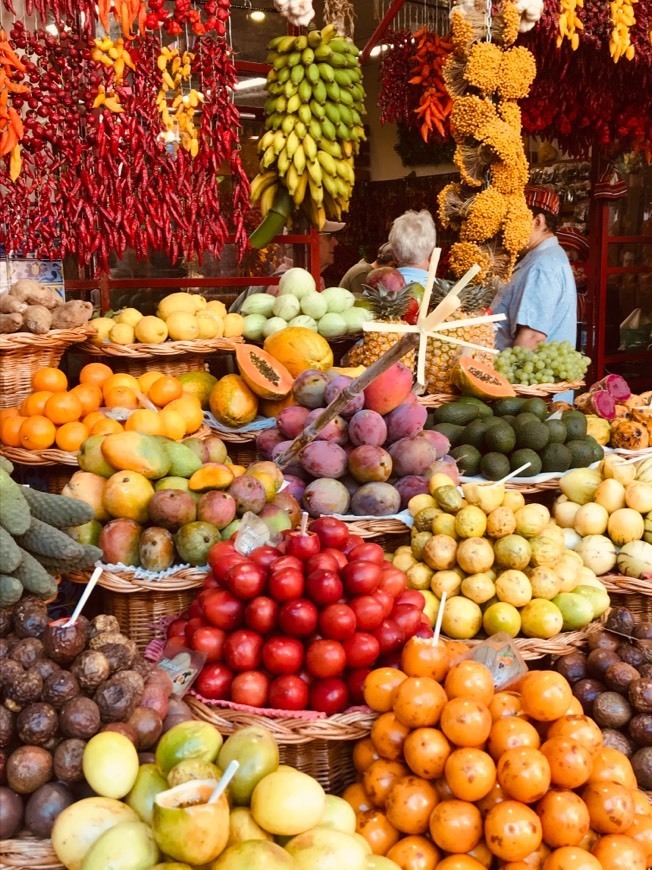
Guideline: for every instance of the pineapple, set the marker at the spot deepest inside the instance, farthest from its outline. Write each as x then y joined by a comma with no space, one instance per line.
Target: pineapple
388,306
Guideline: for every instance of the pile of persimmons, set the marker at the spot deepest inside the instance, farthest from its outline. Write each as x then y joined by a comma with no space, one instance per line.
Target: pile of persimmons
457,776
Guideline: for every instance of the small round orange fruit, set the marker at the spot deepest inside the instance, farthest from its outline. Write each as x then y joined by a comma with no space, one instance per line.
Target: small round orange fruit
121,379
610,765
364,754
642,806
534,861
356,797
610,806
71,436
145,421
570,763
466,722
524,773
379,777
512,831
146,380
94,417
379,687
511,733
422,658
120,397
10,431
505,704
63,408
617,852
545,695
418,702
425,751
106,427
5,413
95,373
470,773
571,858
564,818
409,804
460,862
641,831
90,396
415,853
37,433
470,679
482,853
495,796
174,426
35,403
165,390
49,378
456,826
190,409
374,826
579,728
388,735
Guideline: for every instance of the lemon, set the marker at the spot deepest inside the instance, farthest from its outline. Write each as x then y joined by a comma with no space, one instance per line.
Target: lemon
462,618
471,522
176,302
420,502
130,316
233,325
151,330
210,326
200,302
182,326
122,333
216,307
102,326
437,480
541,618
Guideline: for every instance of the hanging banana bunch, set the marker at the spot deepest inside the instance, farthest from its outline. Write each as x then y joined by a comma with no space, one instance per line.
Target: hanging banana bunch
313,131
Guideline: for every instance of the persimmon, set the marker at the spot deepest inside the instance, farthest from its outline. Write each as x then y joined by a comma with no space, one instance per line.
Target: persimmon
570,763
375,827
504,704
36,433
564,818
545,695
493,797
379,686
120,397
422,658
512,831
388,735
164,390
357,797
425,751
409,804
10,430
524,773
50,378
364,754
571,858
95,373
534,861
71,436
610,765
510,733
379,777
456,826
470,773
35,403
418,702
466,722
579,728
415,853
460,862
641,831
470,679
610,806
618,852
90,396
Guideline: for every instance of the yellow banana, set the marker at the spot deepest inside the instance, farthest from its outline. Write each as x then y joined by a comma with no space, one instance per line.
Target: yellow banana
315,172
299,159
279,141
292,179
283,162
300,191
310,147
316,192
267,199
292,143
327,163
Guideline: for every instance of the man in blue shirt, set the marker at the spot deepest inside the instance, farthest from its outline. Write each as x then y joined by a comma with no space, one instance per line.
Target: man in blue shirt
413,239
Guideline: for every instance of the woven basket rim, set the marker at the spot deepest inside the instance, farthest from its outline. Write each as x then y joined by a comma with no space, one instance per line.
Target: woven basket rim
51,456
28,851
380,526
27,341
165,349
124,581
620,583
535,648
433,400
231,437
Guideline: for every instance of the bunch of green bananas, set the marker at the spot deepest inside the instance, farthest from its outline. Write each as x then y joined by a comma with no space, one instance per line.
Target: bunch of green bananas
313,129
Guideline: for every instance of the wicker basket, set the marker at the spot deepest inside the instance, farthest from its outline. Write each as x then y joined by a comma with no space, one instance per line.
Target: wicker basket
28,853
165,350
628,592
51,456
544,391
322,748
22,354
532,648
174,367
389,533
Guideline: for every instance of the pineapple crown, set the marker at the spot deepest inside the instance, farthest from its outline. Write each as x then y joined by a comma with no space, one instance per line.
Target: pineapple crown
473,297
385,302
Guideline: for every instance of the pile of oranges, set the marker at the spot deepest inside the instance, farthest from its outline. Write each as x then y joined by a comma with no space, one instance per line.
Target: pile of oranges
54,415
457,776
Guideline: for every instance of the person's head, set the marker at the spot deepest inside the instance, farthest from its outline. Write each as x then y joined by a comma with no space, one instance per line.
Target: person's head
545,205
413,238
327,243
385,256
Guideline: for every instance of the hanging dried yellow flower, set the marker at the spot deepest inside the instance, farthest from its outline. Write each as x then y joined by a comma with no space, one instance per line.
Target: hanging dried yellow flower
622,19
509,178
449,203
517,73
463,33
505,24
472,164
453,75
471,114
483,216
501,139
483,67
510,113
464,254
517,226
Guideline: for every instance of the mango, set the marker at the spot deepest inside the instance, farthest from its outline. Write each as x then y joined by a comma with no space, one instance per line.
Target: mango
131,451
128,494
184,461
88,487
213,475
232,402
119,540
194,541
92,459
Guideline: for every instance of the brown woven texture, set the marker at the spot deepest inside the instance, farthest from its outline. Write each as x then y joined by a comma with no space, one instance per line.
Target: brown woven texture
389,533
173,367
166,349
138,613
240,452
434,400
56,477
126,583
532,648
28,853
51,456
244,438
628,592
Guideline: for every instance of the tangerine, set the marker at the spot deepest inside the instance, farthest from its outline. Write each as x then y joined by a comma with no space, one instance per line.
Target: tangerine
90,396
456,826
388,734
564,818
190,409
121,379
356,797
409,804
571,858
524,773
37,433
470,679
512,831
35,403
418,702
120,397
579,728
495,796
71,436
374,826
94,417
610,806
425,751
545,695
165,390
534,861
466,722
504,704
95,373
415,853
379,687
145,421
5,413
106,427
470,773
570,763
610,765
63,408
379,777
641,831
50,378
618,852
174,426
146,380
364,754
482,853
422,658
10,431
511,733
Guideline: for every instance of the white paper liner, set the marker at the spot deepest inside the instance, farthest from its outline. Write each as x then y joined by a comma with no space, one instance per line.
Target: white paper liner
143,574
404,517
630,454
257,425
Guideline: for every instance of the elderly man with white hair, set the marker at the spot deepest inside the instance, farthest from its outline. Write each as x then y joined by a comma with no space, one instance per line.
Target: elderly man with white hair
413,238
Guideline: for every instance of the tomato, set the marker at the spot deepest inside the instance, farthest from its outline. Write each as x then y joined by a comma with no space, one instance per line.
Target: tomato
322,562
355,684
210,582
390,636
298,617
324,587
386,601
353,542
261,614
408,618
361,649
368,552
360,578
192,626
288,692
303,545
177,628
176,644
223,610
243,650
264,556
392,580
196,611
286,562
424,629
369,612
337,621
286,584
209,640
246,580
325,658
251,688
331,532
214,682
219,551
329,696
222,568
412,597
283,655
338,555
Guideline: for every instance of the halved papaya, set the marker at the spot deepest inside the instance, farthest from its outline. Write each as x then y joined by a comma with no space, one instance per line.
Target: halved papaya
263,374
475,378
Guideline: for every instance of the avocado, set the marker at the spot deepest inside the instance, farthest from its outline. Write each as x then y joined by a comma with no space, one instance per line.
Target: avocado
575,423
474,434
537,407
557,431
511,405
556,457
500,439
581,453
598,449
520,457
526,417
489,422
534,435
455,412
483,409
494,466
510,419
450,431
468,459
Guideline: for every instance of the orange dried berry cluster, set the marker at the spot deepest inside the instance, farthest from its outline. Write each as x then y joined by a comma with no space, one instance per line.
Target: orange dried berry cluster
449,201
463,255
462,32
506,24
517,225
510,113
471,114
483,67
502,140
509,178
517,72
485,215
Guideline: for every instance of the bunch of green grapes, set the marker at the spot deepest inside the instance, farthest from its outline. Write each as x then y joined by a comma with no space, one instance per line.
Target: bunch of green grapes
550,363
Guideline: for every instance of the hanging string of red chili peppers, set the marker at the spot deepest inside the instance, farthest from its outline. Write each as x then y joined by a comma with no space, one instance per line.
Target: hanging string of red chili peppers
173,17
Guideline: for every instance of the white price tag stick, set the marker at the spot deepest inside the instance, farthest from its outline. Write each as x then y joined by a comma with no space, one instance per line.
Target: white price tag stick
95,576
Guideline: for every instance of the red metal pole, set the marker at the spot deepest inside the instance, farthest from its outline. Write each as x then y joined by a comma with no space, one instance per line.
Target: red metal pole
382,29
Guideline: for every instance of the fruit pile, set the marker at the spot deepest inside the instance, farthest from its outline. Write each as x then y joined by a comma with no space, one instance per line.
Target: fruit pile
503,564
616,416
606,514
332,313
61,685
550,362
370,459
180,317
36,308
298,629
521,779
33,544
613,683
492,440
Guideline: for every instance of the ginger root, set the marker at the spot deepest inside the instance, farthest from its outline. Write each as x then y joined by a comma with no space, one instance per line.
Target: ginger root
27,290
71,314
37,319
10,322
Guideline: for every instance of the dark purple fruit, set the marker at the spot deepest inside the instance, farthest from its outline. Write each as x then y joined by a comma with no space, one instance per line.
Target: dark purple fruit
640,695
611,710
599,660
37,724
60,688
622,620
23,691
28,768
68,760
7,727
631,654
603,640
573,667
5,621
643,631
45,668
11,813
642,764
44,806
30,617
79,717
613,739
640,729
27,651
586,691
618,677
64,642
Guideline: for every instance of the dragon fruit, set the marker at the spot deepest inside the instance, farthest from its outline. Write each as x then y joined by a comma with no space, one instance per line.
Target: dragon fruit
598,402
615,385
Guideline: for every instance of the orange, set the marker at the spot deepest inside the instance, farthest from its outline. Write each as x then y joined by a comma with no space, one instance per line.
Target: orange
460,862
641,831
545,695
425,751
94,417
564,818
10,431
379,777
374,826
619,853
610,765
364,754
379,687
415,853
579,728
418,701
90,395
106,427
470,773
120,397
570,763
49,378
121,379
35,403
190,409
495,796
505,704
510,733
409,804
71,436
388,735
470,679
145,421
356,797
164,390
512,831
146,380
610,806
524,773
63,408
456,649
5,413
466,722
95,373
422,658
456,826
37,433
174,426
571,858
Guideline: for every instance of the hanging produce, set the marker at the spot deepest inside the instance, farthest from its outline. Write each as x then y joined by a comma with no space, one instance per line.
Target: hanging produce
127,12
397,101
178,119
314,127
298,12
434,103
11,124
